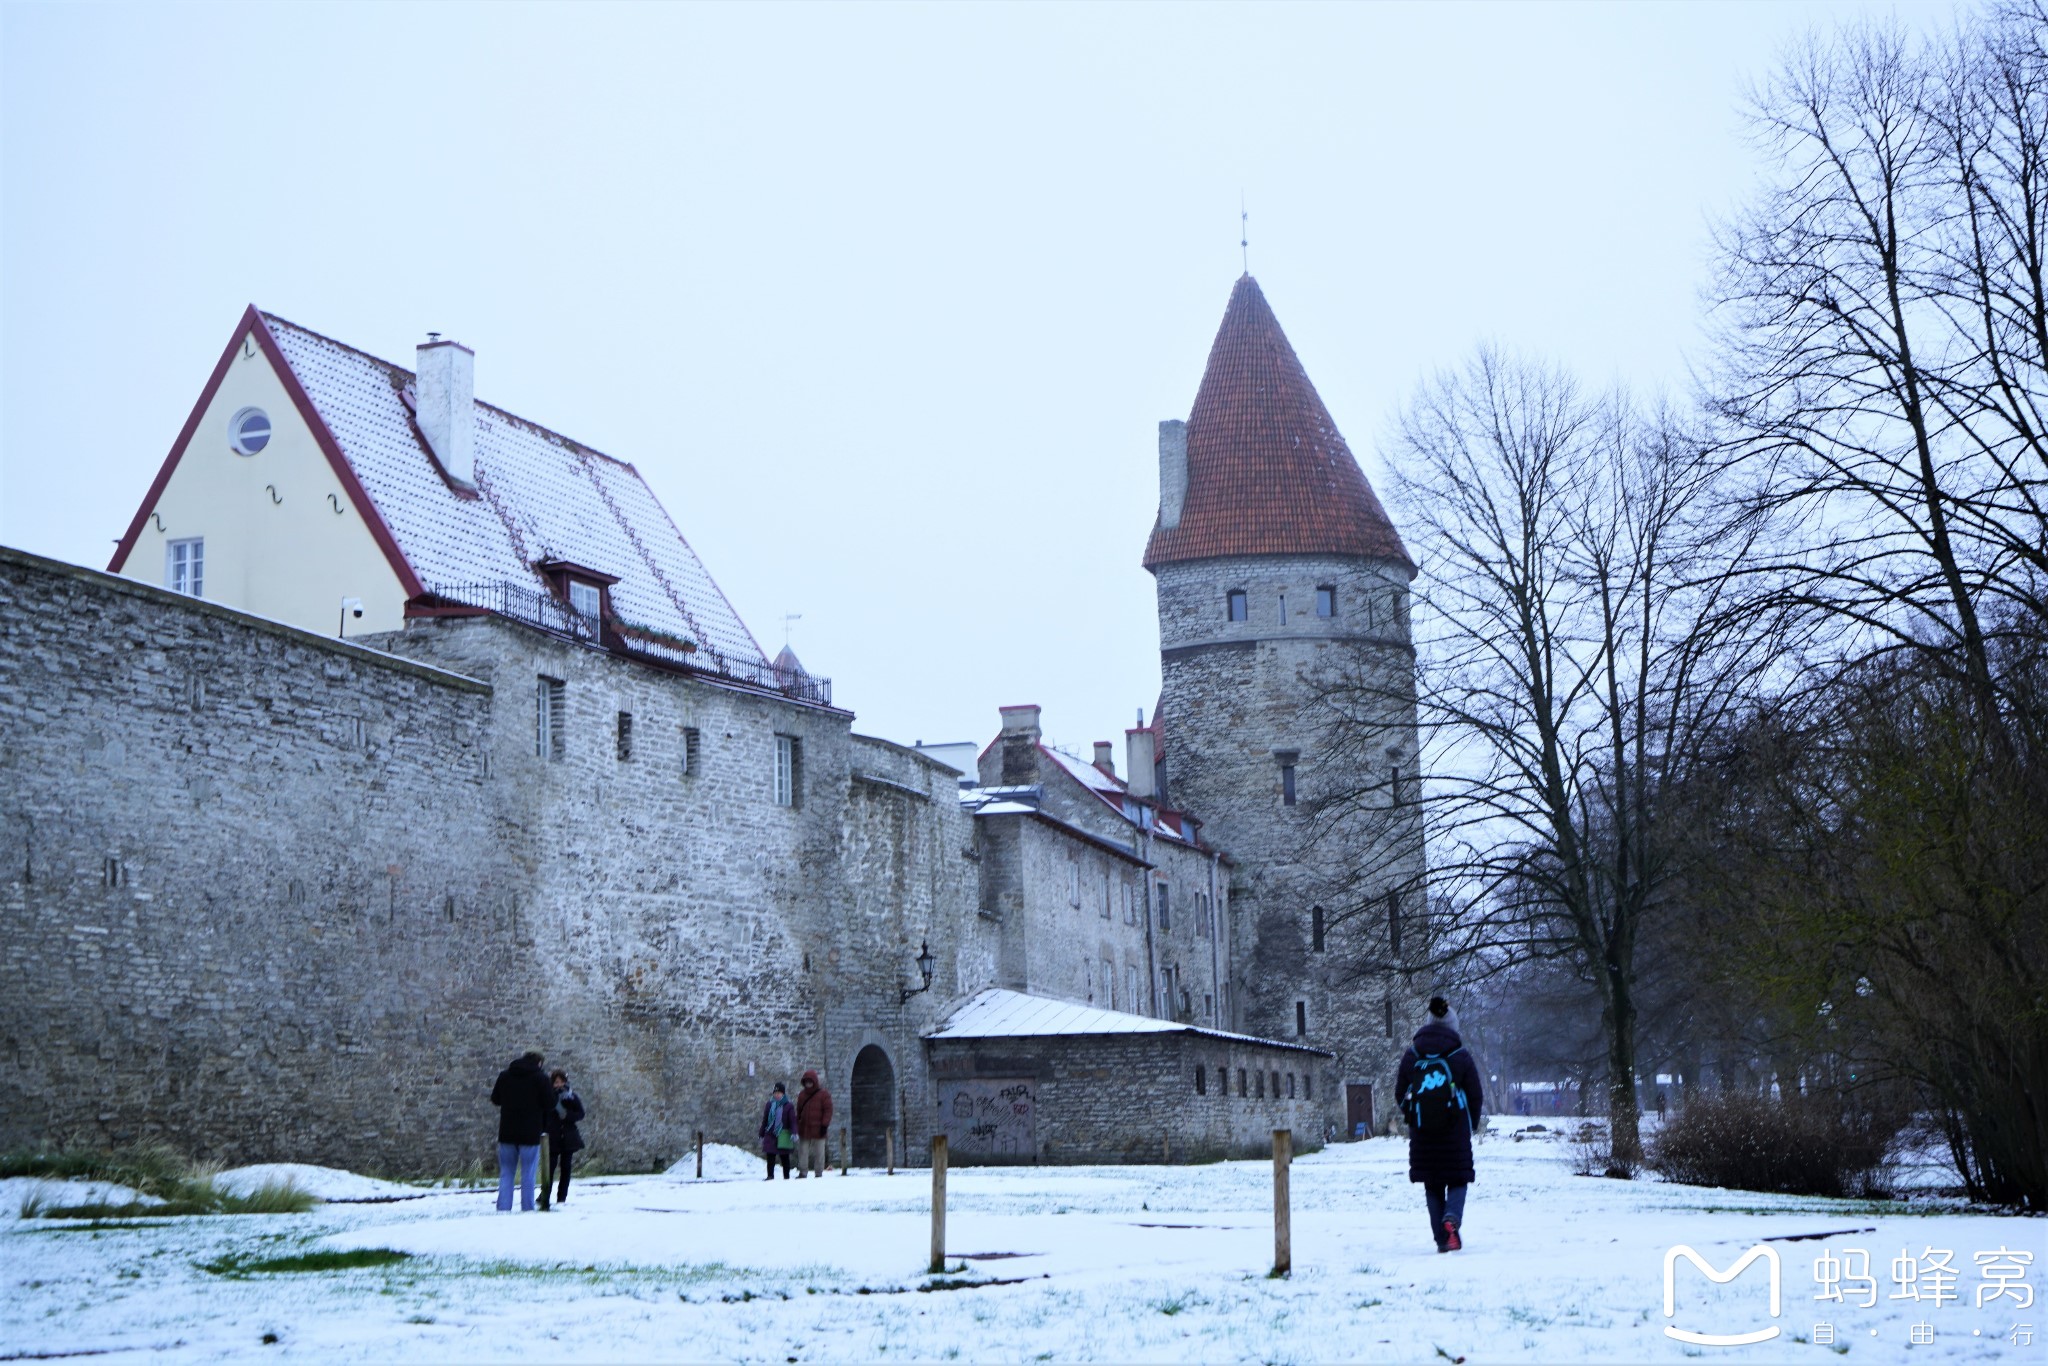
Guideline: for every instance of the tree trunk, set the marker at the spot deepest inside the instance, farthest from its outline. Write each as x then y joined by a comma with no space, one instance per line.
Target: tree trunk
1625,1139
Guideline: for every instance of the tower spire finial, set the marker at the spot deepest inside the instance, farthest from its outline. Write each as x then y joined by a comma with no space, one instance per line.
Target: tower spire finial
1244,233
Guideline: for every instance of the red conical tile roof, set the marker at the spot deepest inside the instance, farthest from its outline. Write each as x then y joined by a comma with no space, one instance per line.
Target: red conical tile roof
1268,472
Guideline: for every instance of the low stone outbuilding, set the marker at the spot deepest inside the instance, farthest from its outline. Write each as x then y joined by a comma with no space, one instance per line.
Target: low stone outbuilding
1020,1079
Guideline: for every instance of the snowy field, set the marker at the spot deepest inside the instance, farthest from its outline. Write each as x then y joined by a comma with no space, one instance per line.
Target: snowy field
1062,1263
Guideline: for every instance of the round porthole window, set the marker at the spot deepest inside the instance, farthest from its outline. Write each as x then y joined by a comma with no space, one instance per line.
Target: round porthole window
249,431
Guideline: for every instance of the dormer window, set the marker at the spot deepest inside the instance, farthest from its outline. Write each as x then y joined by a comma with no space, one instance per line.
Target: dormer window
586,599
584,590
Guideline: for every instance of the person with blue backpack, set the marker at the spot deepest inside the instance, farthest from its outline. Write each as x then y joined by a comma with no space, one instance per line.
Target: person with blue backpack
1440,1095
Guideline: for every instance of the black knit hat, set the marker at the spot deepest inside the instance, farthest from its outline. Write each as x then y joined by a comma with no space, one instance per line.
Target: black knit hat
1439,1007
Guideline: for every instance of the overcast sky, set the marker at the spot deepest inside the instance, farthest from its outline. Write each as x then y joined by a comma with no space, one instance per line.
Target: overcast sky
885,302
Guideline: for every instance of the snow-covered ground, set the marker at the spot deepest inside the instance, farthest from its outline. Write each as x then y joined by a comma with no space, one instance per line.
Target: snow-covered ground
1061,1263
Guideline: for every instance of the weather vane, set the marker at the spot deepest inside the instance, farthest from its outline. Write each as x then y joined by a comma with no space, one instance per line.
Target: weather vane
1244,238
787,618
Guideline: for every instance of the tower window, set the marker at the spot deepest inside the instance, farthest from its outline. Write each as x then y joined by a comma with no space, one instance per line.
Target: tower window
1235,604
1241,1083
625,737
185,567
1315,928
1301,1019
1201,1080
1287,784
1290,1086
1326,600
1283,609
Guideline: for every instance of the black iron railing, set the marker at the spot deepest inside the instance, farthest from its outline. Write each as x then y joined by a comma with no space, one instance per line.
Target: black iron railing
546,612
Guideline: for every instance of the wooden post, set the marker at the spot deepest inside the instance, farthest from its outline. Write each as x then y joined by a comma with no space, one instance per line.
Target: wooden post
1283,1228
542,1174
1165,1148
700,1154
845,1150
938,1203
889,1145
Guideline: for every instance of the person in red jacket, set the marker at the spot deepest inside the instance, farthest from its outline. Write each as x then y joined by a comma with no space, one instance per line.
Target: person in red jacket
813,1122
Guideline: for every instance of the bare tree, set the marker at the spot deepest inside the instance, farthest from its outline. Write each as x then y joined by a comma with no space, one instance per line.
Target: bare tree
1884,335
1577,640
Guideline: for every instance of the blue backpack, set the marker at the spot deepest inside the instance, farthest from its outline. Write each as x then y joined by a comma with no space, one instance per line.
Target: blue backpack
1434,1101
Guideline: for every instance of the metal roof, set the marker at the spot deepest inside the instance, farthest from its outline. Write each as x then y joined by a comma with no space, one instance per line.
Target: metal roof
996,1013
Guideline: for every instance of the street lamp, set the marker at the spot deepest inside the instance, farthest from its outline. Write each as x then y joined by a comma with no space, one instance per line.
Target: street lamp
925,963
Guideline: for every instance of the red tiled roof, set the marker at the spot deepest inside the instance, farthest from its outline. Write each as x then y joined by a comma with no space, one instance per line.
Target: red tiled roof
1268,472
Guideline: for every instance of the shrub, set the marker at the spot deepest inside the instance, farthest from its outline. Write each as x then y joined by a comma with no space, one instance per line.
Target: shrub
1802,1146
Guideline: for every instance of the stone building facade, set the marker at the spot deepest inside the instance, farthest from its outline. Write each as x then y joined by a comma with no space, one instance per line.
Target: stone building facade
274,895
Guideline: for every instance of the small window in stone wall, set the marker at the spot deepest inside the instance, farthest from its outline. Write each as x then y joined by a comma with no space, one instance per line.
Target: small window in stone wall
1165,909
1315,920
1073,881
1287,784
1136,1002
1276,1086
1201,1081
1234,604
1290,1086
1109,983
692,738
789,771
625,737
1308,1088
1301,1019
1108,892
1390,1017
1326,600
550,719
1241,1090
1261,1075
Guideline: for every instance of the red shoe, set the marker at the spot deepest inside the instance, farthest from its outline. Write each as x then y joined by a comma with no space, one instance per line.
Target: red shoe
1451,1242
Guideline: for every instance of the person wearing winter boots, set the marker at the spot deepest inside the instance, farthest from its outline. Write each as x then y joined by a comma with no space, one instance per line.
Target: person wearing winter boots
1440,1095
565,1140
523,1097
813,1127
778,1131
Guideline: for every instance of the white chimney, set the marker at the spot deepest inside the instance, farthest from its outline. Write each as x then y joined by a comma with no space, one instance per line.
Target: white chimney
1173,471
1105,757
445,391
1138,759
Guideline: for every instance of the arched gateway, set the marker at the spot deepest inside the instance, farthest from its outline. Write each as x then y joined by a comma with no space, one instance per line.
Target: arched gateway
874,1105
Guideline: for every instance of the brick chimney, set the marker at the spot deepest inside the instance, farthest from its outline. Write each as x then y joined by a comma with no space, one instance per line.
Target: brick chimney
1105,757
1138,759
445,390
1173,471
1020,745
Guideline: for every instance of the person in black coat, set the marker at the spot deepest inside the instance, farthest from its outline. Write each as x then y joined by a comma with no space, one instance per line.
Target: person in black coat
1439,1129
523,1098
565,1140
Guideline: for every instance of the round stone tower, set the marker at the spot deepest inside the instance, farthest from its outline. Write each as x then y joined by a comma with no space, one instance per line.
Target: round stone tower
1278,572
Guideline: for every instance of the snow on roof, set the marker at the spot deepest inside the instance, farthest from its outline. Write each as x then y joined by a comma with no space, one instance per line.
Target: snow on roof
543,496
1116,793
999,1014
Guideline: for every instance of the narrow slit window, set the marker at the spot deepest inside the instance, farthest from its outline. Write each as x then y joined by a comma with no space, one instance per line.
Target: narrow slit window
1165,909
1315,929
1287,784
789,771
625,737
550,719
1201,1081
1301,1019
1283,609
691,740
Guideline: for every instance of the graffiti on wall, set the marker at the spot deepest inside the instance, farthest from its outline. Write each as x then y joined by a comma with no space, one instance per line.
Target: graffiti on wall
991,1117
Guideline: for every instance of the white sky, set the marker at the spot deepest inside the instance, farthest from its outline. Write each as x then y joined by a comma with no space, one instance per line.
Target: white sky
885,303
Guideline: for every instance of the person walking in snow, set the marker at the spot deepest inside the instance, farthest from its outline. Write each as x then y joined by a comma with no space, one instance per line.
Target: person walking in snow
813,1124
523,1097
565,1140
778,1130
1438,1086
